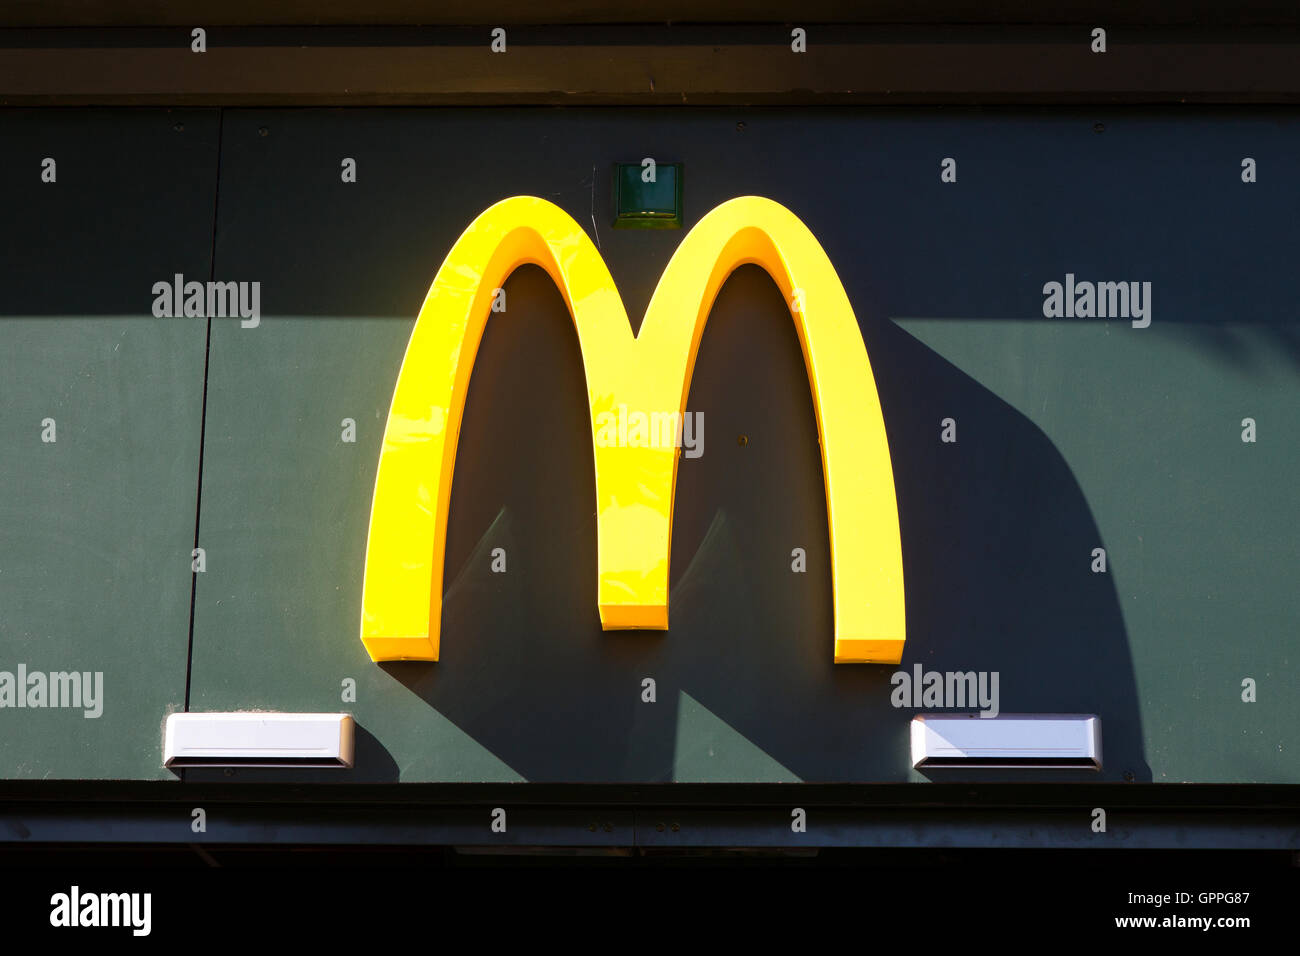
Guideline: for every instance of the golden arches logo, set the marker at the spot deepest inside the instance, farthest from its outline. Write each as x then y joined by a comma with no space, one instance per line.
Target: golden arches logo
402,594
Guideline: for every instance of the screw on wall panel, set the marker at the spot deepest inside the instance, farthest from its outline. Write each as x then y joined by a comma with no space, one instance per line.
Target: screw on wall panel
677,827
262,131
1098,127
609,828
742,440
659,827
740,127
1129,776
592,827
179,127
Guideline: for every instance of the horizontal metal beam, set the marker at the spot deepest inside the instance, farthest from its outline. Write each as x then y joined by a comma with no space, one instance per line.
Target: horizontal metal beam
706,65
662,828
509,12
667,818
273,787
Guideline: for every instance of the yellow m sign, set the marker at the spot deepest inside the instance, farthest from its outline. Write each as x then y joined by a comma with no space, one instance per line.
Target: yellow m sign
402,595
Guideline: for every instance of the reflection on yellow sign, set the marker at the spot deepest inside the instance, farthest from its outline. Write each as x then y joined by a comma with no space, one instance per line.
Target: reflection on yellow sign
402,599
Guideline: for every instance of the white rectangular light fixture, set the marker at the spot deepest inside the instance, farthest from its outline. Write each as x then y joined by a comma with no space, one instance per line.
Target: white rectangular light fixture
258,740
1036,741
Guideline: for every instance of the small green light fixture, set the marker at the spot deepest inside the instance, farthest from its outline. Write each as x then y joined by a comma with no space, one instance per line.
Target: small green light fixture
648,195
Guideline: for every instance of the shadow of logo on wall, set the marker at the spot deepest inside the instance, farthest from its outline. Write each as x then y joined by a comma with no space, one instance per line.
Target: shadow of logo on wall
993,528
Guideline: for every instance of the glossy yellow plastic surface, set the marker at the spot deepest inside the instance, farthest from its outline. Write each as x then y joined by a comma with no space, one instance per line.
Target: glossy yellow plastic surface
649,373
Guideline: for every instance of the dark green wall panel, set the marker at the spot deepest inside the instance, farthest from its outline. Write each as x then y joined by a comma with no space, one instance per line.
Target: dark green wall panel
96,528
1072,434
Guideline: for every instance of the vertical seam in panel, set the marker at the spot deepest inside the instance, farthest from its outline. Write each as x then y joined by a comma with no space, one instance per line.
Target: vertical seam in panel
203,417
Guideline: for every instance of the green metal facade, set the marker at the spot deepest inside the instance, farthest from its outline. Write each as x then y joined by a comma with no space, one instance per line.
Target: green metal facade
1072,434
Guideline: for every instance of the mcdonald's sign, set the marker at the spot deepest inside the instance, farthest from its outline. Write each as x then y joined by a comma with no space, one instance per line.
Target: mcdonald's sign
402,592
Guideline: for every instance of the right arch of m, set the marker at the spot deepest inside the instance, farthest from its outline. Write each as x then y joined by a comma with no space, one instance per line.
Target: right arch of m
649,372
